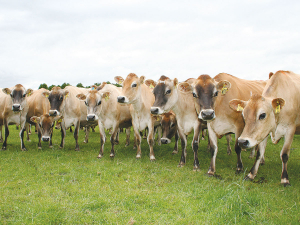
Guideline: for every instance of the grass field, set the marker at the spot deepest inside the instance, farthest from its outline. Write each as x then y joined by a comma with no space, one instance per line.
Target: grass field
61,186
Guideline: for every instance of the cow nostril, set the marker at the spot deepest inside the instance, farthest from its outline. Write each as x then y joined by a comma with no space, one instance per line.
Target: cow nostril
91,117
154,110
243,143
45,139
121,99
164,141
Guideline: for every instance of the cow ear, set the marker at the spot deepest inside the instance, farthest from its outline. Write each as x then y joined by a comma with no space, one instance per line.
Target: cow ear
106,95
29,92
66,93
35,119
142,79
81,96
237,105
119,80
6,91
223,86
46,94
277,104
175,82
101,86
150,83
185,87
270,74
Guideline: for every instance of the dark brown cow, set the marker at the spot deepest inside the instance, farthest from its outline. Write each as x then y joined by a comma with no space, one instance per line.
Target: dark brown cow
169,129
211,98
14,108
277,112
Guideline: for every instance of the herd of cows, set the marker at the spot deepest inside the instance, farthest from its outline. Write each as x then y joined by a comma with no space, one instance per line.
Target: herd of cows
252,110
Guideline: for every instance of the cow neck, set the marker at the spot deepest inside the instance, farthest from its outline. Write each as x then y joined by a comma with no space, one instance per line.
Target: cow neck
138,103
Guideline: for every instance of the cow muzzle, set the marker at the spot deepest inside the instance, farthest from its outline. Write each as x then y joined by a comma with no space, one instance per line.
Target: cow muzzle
45,138
207,114
165,140
16,108
122,99
243,143
53,113
156,111
91,117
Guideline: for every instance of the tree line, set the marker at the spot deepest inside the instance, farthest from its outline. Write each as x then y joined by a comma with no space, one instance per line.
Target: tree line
44,85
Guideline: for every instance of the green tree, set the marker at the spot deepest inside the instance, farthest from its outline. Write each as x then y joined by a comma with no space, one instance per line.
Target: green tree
79,85
50,87
65,85
43,85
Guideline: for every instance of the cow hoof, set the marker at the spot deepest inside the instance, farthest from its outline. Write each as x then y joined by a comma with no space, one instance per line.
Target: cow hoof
286,184
85,142
203,139
249,178
99,156
138,156
3,148
210,173
50,146
196,169
111,155
159,143
238,171
181,164
126,145
228,152
175,152
134,147
152,158
116,142
39,148
24,149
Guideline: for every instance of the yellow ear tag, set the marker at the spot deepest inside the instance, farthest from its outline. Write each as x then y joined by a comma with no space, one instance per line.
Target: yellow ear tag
151,86
106,97
59,121
67,95
239,108
35,120
30,93
46,95
224,89
157,118
120,82
277,110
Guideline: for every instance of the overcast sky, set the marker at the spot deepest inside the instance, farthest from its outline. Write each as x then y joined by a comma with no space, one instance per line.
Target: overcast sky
93,41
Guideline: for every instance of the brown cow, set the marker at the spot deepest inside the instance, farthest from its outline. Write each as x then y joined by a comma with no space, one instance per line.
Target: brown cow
14,109
102,106
169,129
167,98
277,112
211,98
140,98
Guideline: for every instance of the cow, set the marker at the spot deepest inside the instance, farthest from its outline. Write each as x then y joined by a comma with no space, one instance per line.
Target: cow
277,112
140,98
167,97
169,129
102,106
14,109
64,103
211,100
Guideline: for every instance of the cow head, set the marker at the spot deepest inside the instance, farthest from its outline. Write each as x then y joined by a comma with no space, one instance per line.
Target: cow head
259,114
94,101
166,96
131,88
169,127
205,91
45,125
56,98
18,94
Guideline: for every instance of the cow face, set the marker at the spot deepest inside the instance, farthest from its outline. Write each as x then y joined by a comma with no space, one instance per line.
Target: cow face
131,87
259,114
169,127
18,95
205,91
45,125
166,96
93,100
56,98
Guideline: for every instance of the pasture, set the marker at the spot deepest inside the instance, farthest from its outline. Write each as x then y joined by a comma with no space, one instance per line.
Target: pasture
62,186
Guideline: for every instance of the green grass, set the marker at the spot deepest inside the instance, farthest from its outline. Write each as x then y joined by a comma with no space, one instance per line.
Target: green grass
62,186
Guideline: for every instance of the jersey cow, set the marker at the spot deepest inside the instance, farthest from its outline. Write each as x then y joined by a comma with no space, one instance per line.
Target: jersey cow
167,97
102,106
140,98
64,103
211,98
277,112
14,109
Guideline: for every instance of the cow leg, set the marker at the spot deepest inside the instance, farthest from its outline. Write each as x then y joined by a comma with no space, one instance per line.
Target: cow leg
1,137
238,151
213,141
93,128
87,132
228,138
127,136
159,132
183,138
145,133
150,140
6,136
50,142
252,153
138,145
40,137
115,132
117,136
102,139
175,151
63,134
27,131
23,128
259,156
76,133
195,145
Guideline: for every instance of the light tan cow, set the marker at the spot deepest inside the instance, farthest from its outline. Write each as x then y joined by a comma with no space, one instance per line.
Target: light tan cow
167,98
64,103
102,106
211,98
140,98
277,112
14,108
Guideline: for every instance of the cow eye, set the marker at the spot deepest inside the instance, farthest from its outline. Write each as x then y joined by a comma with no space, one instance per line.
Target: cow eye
61,98
24,95
87,104
133,85
168,92
194,95
215,94
172,125
262,116
98,103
